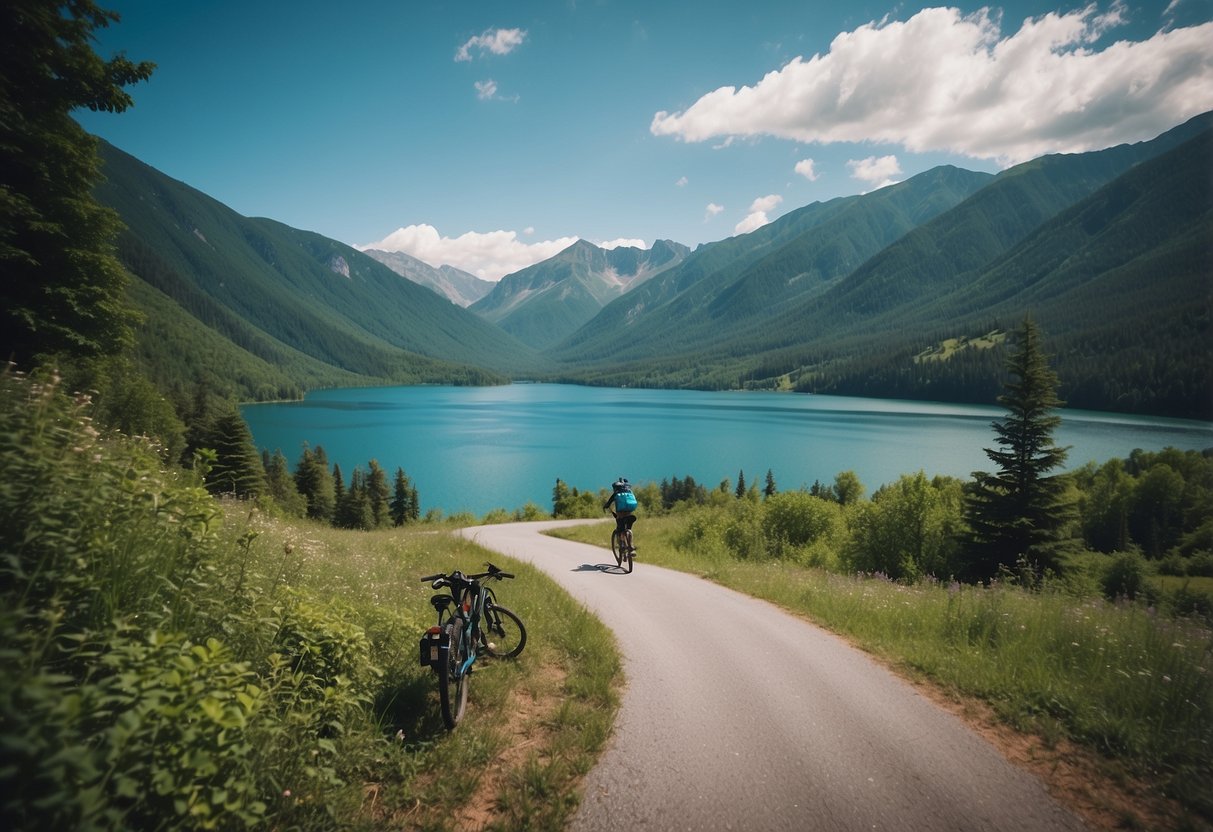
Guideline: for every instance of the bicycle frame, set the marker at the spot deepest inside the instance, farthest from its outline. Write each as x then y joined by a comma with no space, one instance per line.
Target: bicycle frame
470,596
470,608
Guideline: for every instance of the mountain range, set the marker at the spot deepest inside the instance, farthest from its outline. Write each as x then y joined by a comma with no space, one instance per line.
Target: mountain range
543,304
454,284
907,291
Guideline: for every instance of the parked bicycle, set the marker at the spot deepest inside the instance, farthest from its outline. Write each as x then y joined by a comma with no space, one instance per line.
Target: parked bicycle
621,546
470,621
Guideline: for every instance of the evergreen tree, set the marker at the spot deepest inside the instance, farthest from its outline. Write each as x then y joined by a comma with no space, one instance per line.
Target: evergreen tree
560,498
338,485
404,499
315,484
740,492
414,504
377,494
63,289
354,511
280,485
769,490
200,416
237,468
1020,515
345,514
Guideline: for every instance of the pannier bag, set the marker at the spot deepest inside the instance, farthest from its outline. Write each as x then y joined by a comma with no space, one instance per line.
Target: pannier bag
433,642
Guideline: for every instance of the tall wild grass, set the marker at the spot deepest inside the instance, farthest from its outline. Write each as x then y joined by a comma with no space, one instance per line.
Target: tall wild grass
168,660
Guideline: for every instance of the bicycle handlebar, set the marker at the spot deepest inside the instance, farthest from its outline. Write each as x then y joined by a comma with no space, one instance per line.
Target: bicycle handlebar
443,580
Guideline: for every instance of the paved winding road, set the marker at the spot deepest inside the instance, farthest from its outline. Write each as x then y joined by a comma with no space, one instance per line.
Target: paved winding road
738,716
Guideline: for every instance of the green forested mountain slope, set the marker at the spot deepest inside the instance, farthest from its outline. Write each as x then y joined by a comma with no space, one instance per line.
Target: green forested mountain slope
177,351
726,286
1121,283
1124,280
944,254
1126,308
299,291
543,303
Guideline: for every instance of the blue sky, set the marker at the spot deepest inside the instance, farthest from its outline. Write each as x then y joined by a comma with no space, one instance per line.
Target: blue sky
489,135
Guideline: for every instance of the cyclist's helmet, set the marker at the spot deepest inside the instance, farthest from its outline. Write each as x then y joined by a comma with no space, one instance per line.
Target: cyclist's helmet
621,484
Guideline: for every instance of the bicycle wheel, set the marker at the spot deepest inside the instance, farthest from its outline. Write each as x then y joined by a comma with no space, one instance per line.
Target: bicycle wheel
453,685
617,547
504,635
629,549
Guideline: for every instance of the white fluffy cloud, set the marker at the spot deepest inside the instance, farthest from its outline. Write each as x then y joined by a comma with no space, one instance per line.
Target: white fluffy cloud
757,217
876,172
712,210
490,255
943,80
807,168
486,89
494,41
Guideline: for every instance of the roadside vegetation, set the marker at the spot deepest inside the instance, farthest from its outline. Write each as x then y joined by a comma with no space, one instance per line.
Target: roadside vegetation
1112,651
176,660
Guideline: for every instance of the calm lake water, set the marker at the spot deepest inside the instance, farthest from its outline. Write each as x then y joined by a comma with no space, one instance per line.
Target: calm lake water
479,448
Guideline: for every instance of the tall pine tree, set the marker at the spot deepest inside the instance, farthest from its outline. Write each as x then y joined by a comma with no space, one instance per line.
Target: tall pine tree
378,494
404,506
237,468
1021,515
63,290
315,483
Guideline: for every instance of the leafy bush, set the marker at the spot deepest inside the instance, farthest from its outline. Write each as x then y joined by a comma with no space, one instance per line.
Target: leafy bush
909,530
149,680
1125,576
798,526
1173,564
1201,566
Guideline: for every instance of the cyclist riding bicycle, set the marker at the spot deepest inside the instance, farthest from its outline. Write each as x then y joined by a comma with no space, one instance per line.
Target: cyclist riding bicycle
622,503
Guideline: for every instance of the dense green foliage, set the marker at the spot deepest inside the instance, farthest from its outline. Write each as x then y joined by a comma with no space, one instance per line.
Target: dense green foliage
1159,503
366,503
171,661
63,289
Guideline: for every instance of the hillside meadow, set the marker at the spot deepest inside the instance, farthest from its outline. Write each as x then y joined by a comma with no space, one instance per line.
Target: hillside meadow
173,660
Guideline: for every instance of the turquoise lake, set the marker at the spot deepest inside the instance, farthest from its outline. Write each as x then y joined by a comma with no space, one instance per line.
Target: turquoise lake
479,448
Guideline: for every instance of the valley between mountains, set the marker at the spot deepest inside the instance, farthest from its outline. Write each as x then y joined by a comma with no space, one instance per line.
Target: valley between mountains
906,292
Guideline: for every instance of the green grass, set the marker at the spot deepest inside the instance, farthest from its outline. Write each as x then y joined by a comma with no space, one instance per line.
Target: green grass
1133,685
428,774
174,661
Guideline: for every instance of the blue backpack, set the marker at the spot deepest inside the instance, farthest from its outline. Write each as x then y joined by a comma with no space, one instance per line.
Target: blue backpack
625,501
